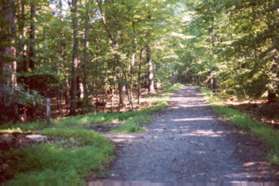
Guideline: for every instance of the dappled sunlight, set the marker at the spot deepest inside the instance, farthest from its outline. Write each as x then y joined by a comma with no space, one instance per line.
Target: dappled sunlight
123,183
205,133
122,138
259,168
148,183
177,105
194,119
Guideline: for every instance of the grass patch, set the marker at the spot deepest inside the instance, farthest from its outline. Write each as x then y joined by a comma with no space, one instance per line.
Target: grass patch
136,122
172,87
267,134
56,164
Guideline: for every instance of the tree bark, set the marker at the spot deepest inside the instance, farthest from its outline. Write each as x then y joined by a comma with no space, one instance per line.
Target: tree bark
7,43
139,76
21,34
151,83
31,48
129,92
85,58
74,65
121,90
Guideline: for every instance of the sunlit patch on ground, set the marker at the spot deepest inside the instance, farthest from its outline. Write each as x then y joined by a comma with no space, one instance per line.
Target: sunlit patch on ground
147,183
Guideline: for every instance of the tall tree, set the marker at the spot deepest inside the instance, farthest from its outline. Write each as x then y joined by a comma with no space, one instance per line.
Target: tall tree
7,43
32,31
75,59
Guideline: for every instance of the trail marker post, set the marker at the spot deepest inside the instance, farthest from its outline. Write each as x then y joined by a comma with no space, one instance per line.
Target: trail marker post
48,111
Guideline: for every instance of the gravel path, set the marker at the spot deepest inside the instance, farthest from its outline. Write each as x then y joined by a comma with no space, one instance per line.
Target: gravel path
188,143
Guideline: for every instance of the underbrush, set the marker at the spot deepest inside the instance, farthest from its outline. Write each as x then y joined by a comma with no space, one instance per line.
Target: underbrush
269,135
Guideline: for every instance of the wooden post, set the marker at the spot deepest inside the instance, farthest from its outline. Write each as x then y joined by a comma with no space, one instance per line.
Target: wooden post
48,110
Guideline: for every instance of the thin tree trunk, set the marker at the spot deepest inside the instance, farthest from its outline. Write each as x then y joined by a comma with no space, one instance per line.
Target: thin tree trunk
129,94
151,84
130,91
20,46
31,48
74,58
85,58
139,76
121,90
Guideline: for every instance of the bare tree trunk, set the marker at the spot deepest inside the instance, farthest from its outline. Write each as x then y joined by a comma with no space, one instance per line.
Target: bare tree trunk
85,58
31,48
133,62
139,76
74,58
151,84
121,95
20,45
7,44
129,92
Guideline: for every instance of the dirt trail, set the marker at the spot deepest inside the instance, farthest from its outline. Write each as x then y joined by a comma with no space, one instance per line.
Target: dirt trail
188,143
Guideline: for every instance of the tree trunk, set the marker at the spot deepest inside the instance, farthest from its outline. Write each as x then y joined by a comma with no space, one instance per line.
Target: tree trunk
133,62
74,58
139,76
121,90
151,84
31,48
7,43
20,45
129,92
85,59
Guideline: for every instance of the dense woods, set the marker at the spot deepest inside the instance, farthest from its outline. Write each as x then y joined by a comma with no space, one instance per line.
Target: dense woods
81,54
78,78
233,47
97,55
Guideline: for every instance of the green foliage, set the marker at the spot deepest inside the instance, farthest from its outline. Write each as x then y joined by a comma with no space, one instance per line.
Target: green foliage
20,96
233,43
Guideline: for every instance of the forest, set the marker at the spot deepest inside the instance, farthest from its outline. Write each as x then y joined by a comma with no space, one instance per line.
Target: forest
89,54
75,62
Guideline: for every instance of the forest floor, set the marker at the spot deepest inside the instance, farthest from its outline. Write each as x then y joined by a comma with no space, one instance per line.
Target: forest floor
188,142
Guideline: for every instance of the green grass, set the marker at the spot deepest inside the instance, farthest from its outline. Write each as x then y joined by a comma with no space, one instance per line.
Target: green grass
267,134
172,87
78,151
57,163
136,122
